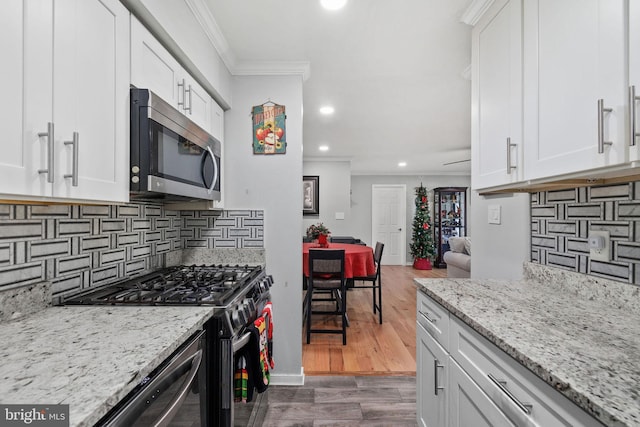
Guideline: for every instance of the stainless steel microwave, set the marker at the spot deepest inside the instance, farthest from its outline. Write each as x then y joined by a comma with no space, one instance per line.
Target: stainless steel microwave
172,158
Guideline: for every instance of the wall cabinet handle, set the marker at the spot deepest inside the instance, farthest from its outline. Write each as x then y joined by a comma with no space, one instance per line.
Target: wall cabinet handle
436,387
50,151
502,385
601,111
74,165
633,99
181,85
510,167
190,101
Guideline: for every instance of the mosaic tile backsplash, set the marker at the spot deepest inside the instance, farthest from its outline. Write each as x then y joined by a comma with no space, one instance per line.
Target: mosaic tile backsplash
75,247
561,221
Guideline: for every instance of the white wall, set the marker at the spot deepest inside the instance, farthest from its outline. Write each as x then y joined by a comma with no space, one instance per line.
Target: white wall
361,186
341,192
498,251
272,183
334,180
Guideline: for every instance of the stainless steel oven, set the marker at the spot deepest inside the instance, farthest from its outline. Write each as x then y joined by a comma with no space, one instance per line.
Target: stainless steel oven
171,157
175,394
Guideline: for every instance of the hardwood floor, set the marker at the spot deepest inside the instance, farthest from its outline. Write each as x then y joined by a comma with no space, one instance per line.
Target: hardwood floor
372,349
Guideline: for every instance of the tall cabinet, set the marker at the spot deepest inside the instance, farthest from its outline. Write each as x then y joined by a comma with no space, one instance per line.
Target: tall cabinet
450,218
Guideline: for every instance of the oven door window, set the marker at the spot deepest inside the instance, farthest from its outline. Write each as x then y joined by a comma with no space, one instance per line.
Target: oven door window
176,158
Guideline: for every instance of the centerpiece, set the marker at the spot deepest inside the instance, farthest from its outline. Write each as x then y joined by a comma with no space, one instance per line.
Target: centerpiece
320,233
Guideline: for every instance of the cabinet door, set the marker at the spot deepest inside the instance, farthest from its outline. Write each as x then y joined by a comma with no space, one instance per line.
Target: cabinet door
153,67
634,79
25,45
90,94
574,55
469,406
197,103
217,121
497,96
432,363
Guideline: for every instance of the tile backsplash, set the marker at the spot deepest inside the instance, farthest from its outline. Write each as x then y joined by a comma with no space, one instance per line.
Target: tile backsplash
77,246
561,221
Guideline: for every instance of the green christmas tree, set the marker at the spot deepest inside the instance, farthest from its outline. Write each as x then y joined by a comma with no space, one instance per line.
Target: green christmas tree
422,240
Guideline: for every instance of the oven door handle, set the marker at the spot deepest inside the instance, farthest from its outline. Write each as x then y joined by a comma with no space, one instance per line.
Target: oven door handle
174,406
240,342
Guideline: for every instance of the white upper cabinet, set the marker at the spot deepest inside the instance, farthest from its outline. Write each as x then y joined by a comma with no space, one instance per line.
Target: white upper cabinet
75,85
91,94
634,80
575,96
497,96
154,68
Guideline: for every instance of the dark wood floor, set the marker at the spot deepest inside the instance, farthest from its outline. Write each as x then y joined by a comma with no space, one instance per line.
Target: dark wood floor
372,349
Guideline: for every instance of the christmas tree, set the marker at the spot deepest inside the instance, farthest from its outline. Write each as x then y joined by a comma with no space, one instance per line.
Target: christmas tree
422,240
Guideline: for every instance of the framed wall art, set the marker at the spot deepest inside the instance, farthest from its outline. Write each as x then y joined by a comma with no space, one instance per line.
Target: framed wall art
269,136
311,195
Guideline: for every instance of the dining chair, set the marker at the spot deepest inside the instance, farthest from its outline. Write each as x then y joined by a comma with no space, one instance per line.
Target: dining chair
326,277
375,280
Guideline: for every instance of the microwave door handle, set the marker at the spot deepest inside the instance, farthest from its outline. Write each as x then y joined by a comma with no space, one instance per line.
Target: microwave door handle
215,170
172,408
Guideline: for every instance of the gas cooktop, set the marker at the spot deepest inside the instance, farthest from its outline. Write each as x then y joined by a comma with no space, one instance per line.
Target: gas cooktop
215,285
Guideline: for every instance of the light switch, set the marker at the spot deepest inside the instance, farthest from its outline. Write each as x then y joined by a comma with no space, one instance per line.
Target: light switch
494,214
339,215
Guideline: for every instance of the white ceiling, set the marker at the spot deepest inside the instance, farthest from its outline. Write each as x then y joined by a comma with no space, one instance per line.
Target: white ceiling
396,73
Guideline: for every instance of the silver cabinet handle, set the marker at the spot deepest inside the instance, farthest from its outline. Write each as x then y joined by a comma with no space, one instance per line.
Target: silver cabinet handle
436,365
633,133
510,167
50,160
190,101
74,167
502,385
601,111
426,316
181,85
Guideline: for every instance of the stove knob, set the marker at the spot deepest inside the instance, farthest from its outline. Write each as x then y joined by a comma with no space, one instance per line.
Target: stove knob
238,319
250,305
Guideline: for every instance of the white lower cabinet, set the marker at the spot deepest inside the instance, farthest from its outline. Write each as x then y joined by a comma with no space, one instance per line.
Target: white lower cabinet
465,380
470,406
432,361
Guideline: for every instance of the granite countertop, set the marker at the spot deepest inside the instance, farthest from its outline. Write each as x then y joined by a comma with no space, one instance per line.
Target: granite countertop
89,357
577,333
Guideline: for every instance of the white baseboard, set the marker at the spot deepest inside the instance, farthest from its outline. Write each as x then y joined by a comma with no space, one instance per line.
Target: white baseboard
287,379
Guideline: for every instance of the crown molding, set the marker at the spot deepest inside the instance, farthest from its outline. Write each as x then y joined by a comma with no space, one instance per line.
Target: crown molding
207,21
273,68
475,11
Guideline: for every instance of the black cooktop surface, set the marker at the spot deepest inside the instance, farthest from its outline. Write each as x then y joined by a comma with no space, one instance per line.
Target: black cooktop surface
182,285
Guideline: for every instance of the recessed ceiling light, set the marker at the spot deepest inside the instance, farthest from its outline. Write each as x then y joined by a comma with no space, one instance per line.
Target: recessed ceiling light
333,4
327,109
323,148
402,164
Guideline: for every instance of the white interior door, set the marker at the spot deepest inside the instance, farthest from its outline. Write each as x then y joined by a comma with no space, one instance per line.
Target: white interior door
388,222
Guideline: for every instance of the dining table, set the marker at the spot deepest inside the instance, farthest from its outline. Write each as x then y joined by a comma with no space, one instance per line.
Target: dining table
358,259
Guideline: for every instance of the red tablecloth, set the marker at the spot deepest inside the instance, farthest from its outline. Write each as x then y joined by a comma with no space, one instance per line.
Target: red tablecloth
358,259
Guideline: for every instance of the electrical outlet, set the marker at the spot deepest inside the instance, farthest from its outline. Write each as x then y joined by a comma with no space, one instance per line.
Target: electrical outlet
600,245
